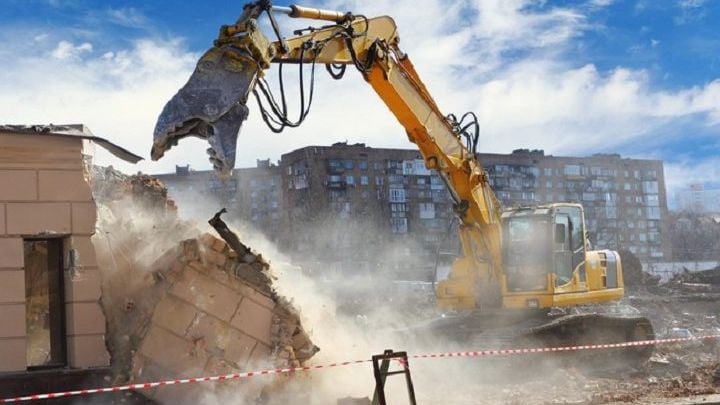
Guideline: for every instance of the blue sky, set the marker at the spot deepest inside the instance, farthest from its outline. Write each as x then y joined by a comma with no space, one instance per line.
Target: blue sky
641,78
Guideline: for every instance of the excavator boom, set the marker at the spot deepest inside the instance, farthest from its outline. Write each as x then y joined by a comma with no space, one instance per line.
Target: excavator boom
212,105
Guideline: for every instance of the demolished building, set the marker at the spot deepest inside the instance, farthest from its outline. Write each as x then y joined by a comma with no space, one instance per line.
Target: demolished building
100,277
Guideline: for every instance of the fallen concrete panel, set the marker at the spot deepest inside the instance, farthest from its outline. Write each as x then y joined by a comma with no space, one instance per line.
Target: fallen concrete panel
181,303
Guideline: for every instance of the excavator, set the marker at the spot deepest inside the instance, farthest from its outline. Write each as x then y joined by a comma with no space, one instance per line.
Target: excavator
528,268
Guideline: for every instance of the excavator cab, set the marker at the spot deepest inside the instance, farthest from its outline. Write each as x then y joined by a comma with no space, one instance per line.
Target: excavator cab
547,261
539,241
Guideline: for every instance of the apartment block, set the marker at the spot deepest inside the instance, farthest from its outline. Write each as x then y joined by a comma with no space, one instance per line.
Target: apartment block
349,207
625,199
698,199
352,204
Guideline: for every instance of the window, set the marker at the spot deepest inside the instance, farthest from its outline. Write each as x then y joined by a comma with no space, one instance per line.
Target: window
421,180
588,196
397,195
44,303
548,184
363,165
427,210
379,181
652,200
650,187
572,170
364,180
300,182
627,187
399,225
348,164
547,171
398,207
350,180
653,212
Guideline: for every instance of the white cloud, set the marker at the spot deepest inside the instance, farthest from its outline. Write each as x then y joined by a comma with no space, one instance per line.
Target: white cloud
509,61
128,17
67,50
118,94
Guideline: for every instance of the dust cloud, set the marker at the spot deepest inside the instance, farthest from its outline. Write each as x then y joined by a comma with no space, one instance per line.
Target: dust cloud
372,320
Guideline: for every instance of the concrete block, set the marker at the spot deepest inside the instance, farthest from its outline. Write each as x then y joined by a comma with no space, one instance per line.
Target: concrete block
172,352
30,152
84,216
63,185
85,250
219,245
83,285
253,319
2,219
12,253
87,351
13,320
174,314
18,185
221,339
255,295
219,366
239,348
206,294
35,218
13,354
84,318
12,286
260,357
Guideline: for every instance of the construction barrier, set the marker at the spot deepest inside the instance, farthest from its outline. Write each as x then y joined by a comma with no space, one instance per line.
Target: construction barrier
248,374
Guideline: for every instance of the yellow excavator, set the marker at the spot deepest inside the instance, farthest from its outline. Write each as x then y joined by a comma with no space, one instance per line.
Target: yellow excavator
529,265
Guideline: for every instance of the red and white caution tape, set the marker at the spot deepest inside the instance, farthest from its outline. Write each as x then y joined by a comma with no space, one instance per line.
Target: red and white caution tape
140,386
236,376
504,352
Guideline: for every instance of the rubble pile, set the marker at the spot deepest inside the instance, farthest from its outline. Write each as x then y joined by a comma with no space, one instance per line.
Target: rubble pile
181,303
711,276
110,185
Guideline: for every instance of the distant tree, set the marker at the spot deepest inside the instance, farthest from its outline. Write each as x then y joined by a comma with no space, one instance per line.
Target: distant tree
633,274
695,236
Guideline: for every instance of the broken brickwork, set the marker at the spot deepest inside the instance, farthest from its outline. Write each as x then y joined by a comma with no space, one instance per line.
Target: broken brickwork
181,303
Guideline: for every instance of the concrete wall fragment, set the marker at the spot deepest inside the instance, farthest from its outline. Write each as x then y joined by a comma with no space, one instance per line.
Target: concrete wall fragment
44,194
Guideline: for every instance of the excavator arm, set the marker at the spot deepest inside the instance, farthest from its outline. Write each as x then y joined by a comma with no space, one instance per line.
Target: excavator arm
212,105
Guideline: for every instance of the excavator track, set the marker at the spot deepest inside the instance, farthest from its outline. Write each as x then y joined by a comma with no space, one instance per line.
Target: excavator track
593,328
513,330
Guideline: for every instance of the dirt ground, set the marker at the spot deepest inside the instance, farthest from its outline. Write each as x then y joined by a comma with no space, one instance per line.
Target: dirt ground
674,371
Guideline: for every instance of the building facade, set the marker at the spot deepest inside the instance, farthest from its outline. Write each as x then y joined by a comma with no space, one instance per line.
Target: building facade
625,199
253,194
50,283
354,208
698,199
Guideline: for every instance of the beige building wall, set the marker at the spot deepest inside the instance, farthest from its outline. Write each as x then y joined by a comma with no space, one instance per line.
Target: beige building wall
44,193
